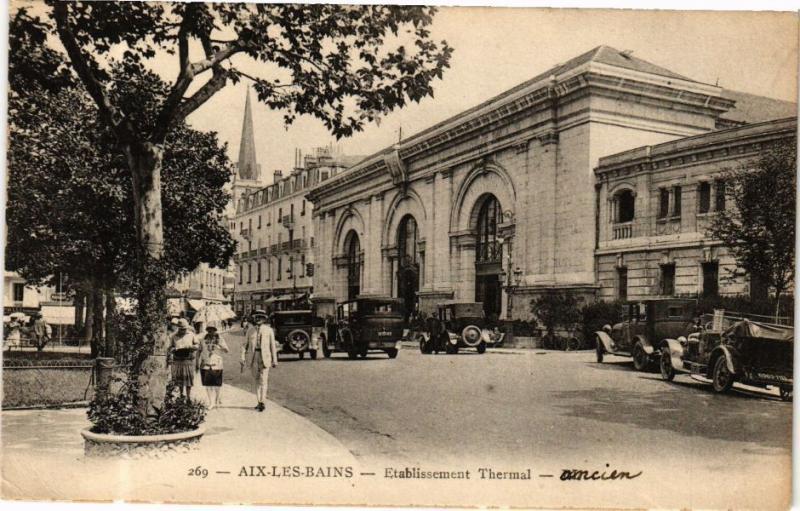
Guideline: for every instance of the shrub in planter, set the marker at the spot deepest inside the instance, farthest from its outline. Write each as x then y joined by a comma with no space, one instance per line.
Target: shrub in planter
596,314
117,413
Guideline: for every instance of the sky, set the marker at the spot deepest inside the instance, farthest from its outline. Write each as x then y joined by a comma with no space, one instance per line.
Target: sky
497,48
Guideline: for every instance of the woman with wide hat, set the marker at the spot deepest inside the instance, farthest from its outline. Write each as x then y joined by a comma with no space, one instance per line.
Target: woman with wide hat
182,347
212,347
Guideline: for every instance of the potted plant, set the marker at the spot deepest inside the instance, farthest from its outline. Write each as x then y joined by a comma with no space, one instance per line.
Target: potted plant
120,426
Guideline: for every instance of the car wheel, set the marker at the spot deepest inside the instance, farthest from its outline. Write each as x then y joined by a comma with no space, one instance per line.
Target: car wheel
424,345
640,358
786,393
599,349
573,344
481,347
301,354
313,354
325,351
667,371
722,379
392,352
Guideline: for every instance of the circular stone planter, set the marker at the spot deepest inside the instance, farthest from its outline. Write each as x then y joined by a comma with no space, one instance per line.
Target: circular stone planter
143,446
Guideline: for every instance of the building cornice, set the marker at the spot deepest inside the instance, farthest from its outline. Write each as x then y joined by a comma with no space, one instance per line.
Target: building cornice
697,149
541,95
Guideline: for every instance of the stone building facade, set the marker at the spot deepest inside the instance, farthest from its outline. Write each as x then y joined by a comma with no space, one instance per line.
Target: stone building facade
498,203
274,233
655,205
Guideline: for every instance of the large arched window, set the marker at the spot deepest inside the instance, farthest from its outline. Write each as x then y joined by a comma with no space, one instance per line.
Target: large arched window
407,241
624,206
353,252
487,249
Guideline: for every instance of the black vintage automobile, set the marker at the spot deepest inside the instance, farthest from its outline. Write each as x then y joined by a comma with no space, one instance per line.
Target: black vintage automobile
297,331
458,325
642,328
364,324
750,352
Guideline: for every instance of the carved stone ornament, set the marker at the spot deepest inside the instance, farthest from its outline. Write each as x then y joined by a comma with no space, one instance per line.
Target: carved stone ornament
397,169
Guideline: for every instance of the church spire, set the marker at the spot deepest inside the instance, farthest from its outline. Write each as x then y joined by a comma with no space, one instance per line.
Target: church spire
247,166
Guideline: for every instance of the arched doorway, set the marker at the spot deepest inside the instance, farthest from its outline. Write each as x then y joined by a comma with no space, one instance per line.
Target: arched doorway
408,264
353,251
488,257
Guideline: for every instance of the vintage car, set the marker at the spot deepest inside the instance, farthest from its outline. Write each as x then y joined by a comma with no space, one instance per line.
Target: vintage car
753,353
644,325
364,324
457,325
297,331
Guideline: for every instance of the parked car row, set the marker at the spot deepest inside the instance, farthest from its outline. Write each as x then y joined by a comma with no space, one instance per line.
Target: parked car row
722,349
370,324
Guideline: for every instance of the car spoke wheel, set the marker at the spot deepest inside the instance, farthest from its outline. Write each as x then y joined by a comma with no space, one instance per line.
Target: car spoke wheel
599,349
667,371
722,379
640,358
786,393
573,344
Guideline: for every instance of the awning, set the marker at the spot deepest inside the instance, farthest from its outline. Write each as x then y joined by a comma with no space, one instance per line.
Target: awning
174,306
59,314
279,298
195,304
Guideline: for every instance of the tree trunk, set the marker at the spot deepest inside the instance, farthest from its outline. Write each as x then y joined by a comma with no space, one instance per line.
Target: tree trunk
778,292
79,297
111,341
99,321
89,323
149,358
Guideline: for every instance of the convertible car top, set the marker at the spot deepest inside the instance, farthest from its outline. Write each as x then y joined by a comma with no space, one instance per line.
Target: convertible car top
753,329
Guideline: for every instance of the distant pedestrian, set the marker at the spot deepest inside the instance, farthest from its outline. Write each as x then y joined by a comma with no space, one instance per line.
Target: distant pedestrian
183,345
40,331
13,333
211,348
260,353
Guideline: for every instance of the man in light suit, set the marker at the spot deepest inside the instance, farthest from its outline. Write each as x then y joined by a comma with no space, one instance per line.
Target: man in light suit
260,353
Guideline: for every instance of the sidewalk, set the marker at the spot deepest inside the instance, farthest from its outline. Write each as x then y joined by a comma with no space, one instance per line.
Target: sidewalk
42,459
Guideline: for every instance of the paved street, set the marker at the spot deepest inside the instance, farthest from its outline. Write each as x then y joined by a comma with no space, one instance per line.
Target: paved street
550,410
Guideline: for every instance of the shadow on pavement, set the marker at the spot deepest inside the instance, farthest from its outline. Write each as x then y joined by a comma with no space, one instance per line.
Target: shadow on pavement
717,417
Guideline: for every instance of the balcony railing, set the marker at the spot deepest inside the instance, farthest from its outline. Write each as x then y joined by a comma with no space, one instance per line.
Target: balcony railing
288,221
489,252
245,233
622,231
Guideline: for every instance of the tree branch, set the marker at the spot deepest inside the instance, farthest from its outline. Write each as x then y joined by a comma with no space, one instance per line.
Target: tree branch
259,80
164,119
211,87
108,112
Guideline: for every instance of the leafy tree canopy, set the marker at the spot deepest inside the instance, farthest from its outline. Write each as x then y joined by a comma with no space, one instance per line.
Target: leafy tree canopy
70,206
758,225
344,64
